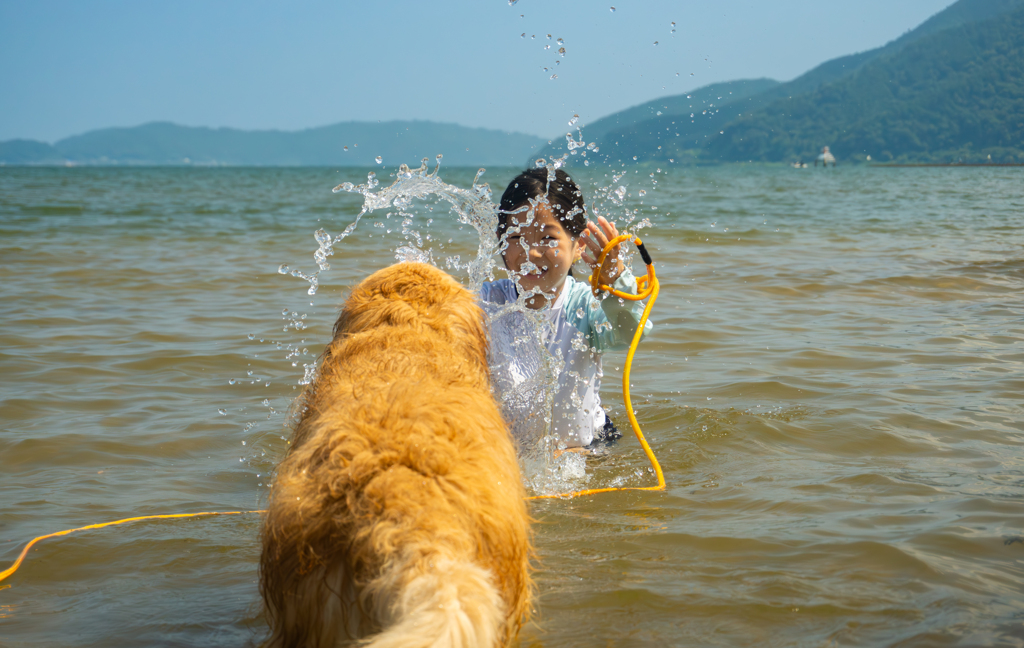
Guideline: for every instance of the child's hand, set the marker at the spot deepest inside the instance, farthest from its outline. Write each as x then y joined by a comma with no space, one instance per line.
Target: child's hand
593,240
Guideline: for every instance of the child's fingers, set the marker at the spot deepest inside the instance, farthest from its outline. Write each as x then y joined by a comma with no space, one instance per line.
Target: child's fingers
596,238
588,257
610,231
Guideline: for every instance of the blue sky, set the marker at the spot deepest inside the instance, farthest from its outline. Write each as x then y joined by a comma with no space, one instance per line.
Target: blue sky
68,67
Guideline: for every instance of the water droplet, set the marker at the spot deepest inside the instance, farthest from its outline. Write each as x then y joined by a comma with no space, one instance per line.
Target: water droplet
282,269
222,412
252,336
512,2
540,163
634,157
642,193
523,35
655,42
612,9
561,50
232,381
575,118
554,76
379,159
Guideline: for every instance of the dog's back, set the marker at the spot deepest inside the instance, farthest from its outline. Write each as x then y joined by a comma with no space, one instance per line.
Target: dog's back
399,509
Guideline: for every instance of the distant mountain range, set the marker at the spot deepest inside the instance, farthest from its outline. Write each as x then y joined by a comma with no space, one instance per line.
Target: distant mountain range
950,90
344,144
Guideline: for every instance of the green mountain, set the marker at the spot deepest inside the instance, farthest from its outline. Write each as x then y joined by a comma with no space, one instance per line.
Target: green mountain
615,137
749,124
956,94
344,144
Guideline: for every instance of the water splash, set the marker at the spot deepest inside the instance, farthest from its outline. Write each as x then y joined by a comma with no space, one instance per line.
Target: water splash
526,330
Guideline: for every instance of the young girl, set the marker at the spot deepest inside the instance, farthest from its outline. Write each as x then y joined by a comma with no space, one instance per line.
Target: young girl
543,227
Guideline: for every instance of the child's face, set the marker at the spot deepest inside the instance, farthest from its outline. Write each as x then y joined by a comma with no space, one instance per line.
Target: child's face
548,246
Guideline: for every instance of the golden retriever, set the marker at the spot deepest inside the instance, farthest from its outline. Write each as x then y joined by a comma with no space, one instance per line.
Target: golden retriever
397,517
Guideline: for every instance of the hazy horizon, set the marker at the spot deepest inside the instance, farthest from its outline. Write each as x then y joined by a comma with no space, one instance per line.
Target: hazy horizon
68,69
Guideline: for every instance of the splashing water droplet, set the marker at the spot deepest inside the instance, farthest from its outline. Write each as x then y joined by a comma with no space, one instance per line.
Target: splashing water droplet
655,42
345,148
512,2
222,412
540,163
282,269
575,118
554,76
379,159
252,336
561,50
612,9
232,381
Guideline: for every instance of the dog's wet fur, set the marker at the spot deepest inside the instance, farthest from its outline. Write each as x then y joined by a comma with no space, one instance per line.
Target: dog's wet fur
397,518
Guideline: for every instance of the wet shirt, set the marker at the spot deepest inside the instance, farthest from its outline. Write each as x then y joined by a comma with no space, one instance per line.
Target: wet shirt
561,388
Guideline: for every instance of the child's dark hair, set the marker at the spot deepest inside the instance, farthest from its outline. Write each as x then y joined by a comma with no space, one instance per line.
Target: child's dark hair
565,200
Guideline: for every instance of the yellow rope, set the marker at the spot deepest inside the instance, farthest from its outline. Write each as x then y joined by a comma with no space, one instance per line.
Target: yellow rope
17,563
651,291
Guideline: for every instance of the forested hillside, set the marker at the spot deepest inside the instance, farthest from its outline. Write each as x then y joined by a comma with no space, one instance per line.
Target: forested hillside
945,91
711,106
344,144
955,95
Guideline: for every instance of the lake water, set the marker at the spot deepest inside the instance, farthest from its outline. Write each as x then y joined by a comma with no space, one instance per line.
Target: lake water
835,389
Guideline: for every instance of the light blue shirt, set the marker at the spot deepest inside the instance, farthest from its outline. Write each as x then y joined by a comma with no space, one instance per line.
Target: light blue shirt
575,330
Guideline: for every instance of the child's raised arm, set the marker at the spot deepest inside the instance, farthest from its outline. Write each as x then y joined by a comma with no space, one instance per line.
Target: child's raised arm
594,239
612,324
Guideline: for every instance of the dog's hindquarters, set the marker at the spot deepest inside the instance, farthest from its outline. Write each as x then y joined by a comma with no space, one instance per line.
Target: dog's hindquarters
397,517
439,602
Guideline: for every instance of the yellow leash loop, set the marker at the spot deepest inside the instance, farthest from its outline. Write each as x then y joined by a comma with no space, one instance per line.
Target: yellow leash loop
647,286
651,290
24,552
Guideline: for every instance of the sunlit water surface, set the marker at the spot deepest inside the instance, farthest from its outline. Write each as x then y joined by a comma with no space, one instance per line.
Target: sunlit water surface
835,389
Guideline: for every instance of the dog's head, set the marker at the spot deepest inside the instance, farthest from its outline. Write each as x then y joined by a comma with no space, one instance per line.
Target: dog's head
415,295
